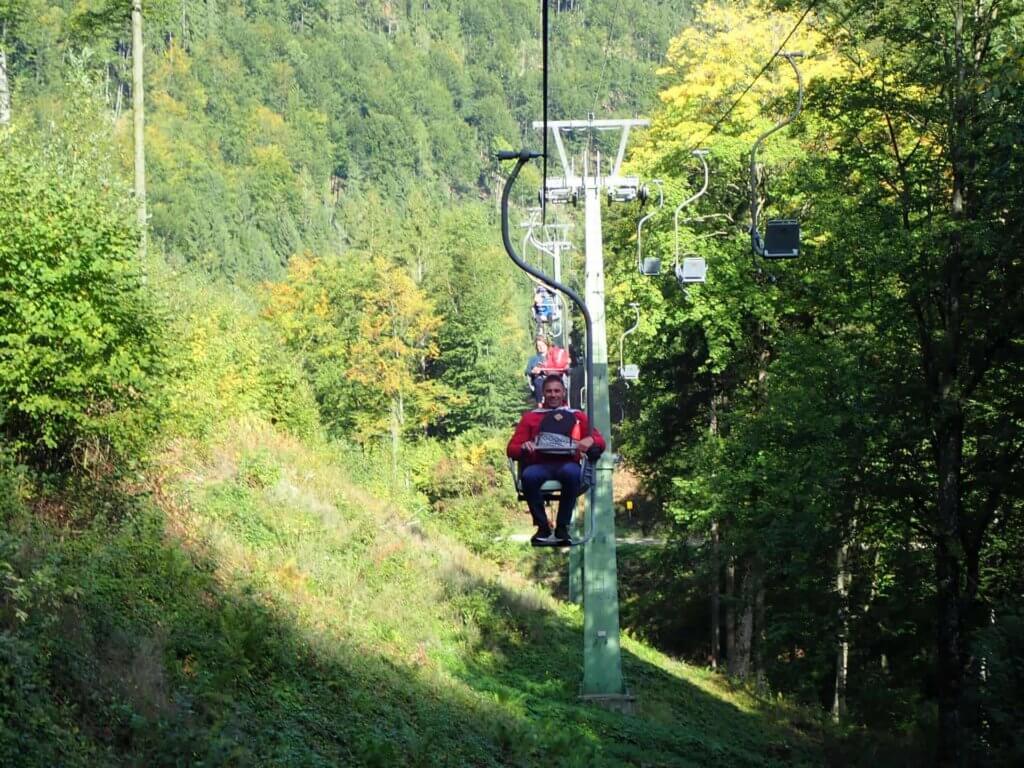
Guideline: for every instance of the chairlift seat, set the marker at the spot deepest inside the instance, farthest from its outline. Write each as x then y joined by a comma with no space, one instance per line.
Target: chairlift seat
782,239
551,490
651,266
558,195
623,194
630,372
692,270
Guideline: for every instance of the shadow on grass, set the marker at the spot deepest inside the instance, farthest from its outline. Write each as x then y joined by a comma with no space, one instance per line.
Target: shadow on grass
141,655
533,656
133,652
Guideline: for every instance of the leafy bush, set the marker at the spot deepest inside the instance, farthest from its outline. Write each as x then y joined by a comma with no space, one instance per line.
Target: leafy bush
473,464
81,336
467,483
230,364
258,469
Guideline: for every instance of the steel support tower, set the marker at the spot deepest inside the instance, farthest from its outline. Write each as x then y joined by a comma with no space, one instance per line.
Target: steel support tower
602,661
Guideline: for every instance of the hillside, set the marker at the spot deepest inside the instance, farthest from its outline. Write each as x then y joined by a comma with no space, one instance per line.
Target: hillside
275,127
256,607
254,508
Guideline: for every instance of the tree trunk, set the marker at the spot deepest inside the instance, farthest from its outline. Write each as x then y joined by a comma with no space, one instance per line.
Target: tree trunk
716,575
843,644
730,614
396,434
139,122
716,562
951,657
5,91
949,430
761,626
739,663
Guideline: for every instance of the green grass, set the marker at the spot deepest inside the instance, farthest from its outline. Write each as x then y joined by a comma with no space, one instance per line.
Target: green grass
259,608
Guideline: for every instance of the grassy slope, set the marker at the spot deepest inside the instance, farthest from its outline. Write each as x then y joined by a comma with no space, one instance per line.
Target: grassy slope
270,612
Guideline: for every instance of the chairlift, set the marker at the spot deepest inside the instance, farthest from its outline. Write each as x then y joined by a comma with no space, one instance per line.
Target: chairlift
555,306
551,493
522,157
629,372
624,193
692,269
558,191
781,236
651,265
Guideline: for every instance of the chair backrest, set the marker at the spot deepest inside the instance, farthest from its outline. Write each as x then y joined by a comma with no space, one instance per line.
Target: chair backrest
651,266
692,270
782,239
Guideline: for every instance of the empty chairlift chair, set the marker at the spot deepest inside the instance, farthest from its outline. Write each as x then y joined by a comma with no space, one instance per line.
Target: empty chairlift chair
781,236
629,372
692,269
649,265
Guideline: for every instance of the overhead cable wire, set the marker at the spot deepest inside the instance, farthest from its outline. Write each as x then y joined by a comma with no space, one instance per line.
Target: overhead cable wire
757,77
600,87
544,90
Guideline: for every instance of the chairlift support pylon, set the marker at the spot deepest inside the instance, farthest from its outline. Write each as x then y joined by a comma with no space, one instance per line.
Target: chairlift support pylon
651,266
781,236
693,269
629,372
602,661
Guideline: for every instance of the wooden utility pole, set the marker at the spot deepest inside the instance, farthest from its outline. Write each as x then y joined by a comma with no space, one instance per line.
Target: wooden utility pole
139,120
5,91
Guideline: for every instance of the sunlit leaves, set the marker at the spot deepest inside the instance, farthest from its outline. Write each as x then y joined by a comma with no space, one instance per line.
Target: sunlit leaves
80,336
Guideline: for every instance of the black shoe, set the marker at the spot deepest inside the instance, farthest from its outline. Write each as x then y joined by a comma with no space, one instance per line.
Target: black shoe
542,538
562,538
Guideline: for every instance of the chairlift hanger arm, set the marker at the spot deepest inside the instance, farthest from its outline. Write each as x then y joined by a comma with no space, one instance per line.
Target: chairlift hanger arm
700,154
522,158
622,338
756,241
540,245
640,224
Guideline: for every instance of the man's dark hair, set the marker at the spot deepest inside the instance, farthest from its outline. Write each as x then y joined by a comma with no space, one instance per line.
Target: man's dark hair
553,377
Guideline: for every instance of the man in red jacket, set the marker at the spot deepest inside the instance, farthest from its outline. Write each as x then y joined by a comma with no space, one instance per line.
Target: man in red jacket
549,442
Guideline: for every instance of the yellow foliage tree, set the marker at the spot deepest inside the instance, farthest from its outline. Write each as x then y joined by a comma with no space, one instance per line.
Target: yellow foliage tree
366,334
708,66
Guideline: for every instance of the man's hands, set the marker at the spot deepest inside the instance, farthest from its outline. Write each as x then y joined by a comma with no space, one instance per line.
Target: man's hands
583,445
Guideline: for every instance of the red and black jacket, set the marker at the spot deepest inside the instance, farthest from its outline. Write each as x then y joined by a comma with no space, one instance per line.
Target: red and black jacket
563,421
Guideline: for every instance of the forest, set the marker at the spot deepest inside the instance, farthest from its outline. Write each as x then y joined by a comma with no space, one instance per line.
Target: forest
261,350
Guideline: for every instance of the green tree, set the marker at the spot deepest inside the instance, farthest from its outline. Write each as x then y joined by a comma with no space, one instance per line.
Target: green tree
83,348
366,334
930,152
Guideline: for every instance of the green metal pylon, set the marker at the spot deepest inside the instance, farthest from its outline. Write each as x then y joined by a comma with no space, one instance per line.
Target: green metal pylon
602,662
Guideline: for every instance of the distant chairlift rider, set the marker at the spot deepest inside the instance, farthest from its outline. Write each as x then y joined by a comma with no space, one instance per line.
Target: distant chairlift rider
550,359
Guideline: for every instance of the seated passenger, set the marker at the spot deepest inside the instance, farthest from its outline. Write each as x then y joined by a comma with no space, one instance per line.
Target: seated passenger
545,305
556,361
535,370
554,423
548,360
